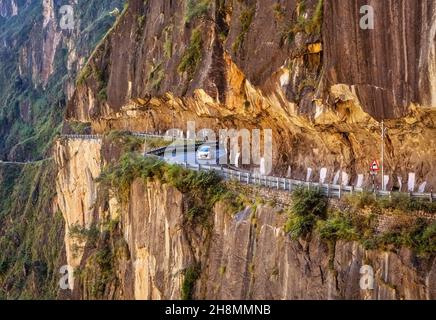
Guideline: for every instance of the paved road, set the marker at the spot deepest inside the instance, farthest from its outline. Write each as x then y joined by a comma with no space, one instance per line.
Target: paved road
178,156
189,159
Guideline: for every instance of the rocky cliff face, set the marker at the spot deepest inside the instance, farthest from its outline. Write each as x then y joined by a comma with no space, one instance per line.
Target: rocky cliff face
300,68
32,248
241,256
40,58
389,67
8,8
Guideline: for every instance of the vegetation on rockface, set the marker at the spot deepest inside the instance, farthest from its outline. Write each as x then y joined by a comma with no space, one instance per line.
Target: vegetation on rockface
223,10
90,69
309,212
128,142
168,44
31,234
156,76
30,113
76,127
105,249
192,56
191,275
308,205
196,9
310,25
400,202
245,19
201,189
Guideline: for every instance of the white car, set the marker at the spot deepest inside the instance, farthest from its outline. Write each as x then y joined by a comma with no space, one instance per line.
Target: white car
205,153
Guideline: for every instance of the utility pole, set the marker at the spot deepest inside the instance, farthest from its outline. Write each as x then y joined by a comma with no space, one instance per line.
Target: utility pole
174,132
383,133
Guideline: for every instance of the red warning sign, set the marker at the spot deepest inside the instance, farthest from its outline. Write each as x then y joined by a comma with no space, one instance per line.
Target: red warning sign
375,166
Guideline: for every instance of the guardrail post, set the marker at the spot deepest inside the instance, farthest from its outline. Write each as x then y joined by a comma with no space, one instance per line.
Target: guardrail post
431,195
284,184
328,190
248,177
239,176
278,184
340,191
352,190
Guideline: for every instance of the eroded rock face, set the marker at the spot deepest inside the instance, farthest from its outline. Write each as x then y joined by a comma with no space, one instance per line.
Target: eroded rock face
8,8
157,242
79,164
245,256
391,66
322,94
251,258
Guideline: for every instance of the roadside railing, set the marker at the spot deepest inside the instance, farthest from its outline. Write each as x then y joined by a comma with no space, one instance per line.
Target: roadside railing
278,183
288,185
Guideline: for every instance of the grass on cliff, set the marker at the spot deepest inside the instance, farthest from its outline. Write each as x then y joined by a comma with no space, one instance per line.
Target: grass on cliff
191,274
192,56
201,189
400,202
196,9
245,20
309,213
31,234
106,248
308,205
125,139
308,25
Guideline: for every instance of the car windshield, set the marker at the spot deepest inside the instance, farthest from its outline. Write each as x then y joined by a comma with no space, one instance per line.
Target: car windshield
204,149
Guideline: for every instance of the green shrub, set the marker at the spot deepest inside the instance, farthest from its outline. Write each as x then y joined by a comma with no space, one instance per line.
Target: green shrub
201,189
125,139
361,200
299,226
400,202
80,127
120,176
309,202
192,56
168,44
336,228
245,19
308,205
84,74
90,234
102,95
196,9
153,143
191,275
309,26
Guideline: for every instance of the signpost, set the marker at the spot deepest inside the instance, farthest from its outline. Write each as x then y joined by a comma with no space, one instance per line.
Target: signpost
374,169
383,134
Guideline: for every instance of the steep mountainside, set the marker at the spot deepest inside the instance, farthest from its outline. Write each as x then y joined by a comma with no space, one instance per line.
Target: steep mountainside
145,238
38,66
130,226
304,69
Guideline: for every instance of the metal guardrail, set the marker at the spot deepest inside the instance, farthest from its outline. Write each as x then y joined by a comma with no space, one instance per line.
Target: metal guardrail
135,134
83,136
288,185
278,183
